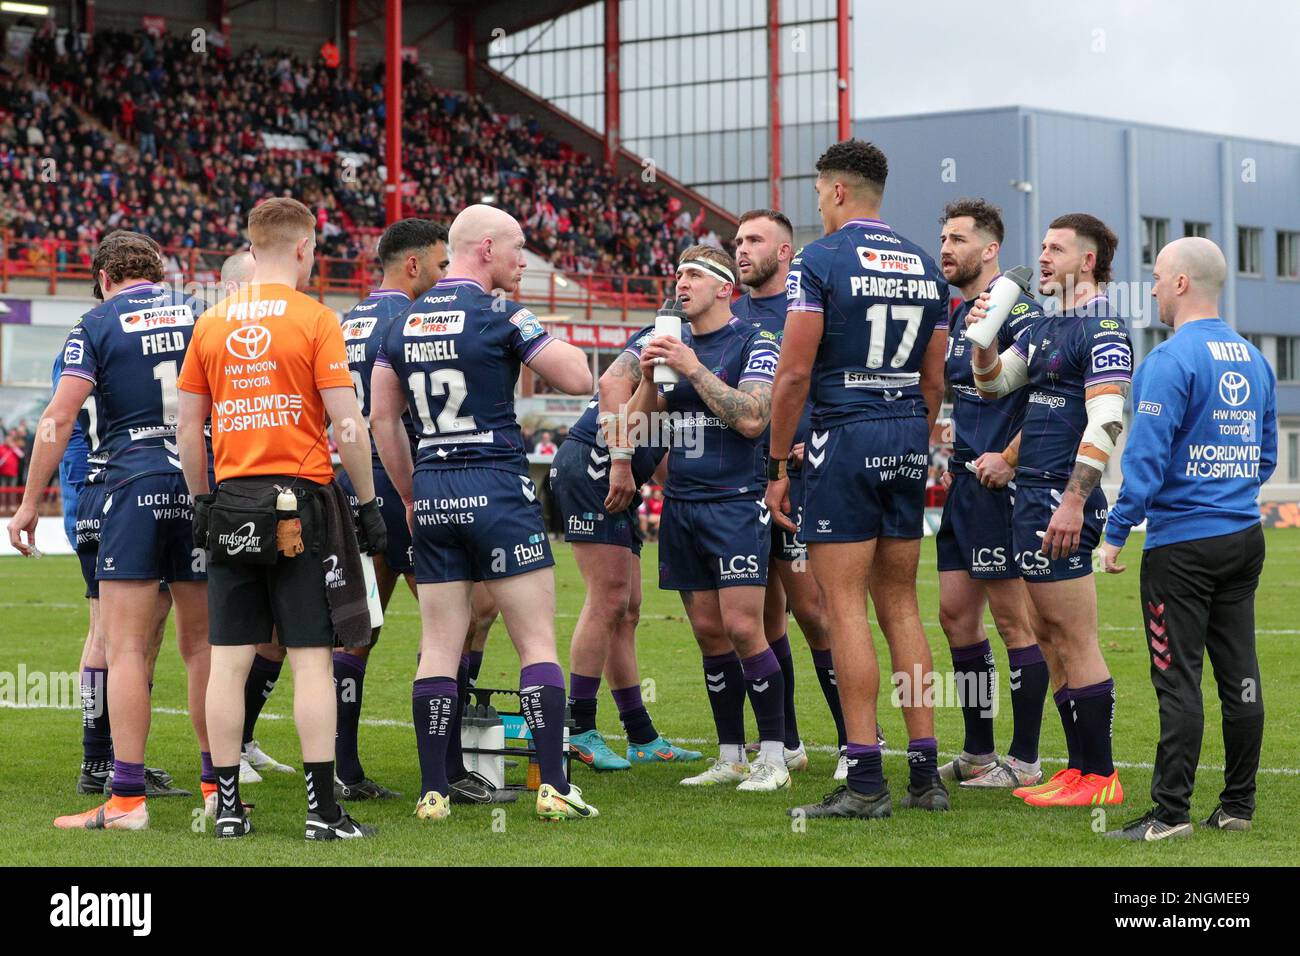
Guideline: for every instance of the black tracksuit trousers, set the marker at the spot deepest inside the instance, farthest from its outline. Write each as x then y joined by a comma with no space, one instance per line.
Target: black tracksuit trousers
1199,596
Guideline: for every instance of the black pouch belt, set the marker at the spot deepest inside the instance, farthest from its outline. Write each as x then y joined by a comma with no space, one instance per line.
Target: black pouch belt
242,522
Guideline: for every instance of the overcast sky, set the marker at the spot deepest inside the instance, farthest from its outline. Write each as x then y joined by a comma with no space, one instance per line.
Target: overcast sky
1224,66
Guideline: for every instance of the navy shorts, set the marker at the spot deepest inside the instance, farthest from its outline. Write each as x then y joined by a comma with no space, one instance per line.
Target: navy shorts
147,532
708,545
786,545
90,511
975,533
580,484
477,524
1032,513
72,478
399,555
866,480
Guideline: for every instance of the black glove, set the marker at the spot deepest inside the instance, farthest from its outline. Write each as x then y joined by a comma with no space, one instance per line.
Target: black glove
202,508
372,534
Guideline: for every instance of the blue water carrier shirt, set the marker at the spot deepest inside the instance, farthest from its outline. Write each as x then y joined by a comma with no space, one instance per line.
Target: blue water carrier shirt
1202,441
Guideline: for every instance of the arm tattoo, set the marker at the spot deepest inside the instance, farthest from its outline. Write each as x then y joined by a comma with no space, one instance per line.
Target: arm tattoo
1083,479
762,392
734,406
626,366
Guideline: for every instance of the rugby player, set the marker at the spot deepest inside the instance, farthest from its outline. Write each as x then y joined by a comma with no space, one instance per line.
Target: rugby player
413,254
595,478
764,248
269,364
453,360
976,558
715,537
129,351
236,271
866,321
81,474
1077,363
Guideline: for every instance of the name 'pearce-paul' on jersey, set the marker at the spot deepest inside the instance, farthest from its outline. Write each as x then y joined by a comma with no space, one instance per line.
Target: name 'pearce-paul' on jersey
457,352
983,425
132,347
364,329
881,297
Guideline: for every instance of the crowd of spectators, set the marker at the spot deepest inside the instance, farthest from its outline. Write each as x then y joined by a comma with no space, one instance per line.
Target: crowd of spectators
208,141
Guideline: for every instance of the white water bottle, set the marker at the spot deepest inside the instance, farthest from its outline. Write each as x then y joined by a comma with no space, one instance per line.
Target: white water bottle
668,322
1009,287
372,591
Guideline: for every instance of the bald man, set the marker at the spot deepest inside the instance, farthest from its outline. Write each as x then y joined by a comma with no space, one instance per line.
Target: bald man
453,360
236,270
1203,441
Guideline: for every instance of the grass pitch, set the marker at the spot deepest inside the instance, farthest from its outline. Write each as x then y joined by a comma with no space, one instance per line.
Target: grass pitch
646,818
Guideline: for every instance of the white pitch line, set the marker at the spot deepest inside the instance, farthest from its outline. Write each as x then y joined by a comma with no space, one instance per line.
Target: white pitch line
1285,631
693,741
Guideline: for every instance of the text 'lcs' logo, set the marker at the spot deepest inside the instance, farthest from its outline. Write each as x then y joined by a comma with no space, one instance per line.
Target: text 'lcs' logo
792,280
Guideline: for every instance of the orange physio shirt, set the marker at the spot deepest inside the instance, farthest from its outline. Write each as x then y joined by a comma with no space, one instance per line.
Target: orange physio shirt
264,355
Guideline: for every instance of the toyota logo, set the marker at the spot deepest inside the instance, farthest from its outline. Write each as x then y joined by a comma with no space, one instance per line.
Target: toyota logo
1233,388
248,342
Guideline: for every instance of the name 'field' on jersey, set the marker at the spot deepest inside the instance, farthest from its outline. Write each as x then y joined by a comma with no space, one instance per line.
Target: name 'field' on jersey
132,347
1067,354
708,460
981,425
881,297
457,352
364,329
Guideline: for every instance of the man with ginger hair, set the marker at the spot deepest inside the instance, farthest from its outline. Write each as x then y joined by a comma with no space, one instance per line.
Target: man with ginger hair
269,365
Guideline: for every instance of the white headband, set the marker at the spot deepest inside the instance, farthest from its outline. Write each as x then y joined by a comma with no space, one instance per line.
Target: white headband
708,268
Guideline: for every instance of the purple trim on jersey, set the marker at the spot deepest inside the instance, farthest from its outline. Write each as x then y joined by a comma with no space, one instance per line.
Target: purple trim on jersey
132,288
1024,354
387,293
1092,380
874,223
73,371
450,283
381,358
536,347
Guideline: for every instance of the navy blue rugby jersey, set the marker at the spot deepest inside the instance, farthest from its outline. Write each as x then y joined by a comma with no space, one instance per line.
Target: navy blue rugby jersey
132,347
1068,354
767,313
364,328
981,425
458,360
709,461
881,297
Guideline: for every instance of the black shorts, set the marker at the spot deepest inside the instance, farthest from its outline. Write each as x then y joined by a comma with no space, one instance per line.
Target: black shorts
246,600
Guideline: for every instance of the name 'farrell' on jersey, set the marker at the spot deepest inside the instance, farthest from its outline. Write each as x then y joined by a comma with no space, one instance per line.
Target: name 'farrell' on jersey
881,297
364,329
1067,354
458,359
132,347
707,460
981,425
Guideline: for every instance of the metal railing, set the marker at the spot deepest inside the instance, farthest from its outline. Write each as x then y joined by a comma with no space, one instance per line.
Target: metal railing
59,262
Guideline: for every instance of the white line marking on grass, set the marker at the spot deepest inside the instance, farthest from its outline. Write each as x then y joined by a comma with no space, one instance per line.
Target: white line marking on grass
693,741
681,618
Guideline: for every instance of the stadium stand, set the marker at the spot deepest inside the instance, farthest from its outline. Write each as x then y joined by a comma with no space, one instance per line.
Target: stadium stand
145,134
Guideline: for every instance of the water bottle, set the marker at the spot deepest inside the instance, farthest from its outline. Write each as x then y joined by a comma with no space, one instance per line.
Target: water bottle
668,322
1008,288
